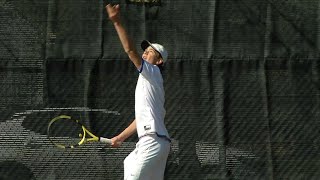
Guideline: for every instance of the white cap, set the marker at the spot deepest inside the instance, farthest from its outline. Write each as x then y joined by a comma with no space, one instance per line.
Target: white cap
158,47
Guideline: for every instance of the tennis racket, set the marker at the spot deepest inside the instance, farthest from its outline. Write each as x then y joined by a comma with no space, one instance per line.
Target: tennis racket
65,132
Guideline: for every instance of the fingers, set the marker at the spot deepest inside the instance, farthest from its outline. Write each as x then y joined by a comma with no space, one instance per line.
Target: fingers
114,7
113,10
115,142
108,7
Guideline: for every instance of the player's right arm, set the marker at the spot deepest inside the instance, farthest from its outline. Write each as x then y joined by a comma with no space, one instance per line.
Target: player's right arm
127,44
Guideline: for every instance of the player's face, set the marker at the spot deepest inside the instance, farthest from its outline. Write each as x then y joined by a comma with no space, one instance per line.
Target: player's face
151,56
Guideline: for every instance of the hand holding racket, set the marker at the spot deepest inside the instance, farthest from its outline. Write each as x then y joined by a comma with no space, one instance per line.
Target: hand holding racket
116,142
65,132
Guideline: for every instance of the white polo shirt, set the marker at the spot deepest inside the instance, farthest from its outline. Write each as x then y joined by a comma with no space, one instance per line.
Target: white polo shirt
149,101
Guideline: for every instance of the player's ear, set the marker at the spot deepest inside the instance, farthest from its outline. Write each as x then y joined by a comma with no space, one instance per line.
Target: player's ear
160,61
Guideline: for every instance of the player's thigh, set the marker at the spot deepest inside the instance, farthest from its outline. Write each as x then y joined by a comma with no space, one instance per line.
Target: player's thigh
149,159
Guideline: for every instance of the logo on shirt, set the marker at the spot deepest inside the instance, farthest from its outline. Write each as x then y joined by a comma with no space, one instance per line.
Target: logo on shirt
147,127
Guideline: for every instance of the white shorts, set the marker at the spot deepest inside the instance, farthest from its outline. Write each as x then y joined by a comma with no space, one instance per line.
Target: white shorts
148,160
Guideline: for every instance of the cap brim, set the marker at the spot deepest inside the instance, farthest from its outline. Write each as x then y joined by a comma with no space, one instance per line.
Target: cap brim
145,44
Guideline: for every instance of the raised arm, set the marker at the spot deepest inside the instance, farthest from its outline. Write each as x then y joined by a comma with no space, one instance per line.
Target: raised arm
126,41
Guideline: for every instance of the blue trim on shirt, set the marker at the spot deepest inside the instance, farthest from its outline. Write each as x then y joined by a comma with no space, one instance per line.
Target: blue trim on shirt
159,135
163,136
141,68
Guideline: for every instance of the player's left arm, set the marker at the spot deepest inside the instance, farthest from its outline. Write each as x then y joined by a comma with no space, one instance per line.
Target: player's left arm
130,130
126,41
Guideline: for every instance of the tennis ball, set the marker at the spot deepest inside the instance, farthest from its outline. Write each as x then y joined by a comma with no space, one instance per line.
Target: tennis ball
80,135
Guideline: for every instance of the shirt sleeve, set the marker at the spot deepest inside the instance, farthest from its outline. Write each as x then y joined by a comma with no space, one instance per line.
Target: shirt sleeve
150,72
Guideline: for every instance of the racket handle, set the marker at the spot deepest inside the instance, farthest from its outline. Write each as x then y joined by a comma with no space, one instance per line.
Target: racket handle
105,140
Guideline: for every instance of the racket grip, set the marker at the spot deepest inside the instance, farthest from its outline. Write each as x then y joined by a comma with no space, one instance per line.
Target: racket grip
105,140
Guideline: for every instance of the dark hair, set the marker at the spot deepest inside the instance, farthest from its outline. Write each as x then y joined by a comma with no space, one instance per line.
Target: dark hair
161,67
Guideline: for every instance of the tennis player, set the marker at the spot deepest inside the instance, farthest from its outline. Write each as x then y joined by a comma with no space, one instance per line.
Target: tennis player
148,160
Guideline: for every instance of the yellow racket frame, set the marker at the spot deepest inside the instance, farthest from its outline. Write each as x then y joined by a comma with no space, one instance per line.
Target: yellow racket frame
84,139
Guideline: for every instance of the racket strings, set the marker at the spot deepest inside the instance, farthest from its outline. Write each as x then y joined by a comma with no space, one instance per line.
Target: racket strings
65,132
